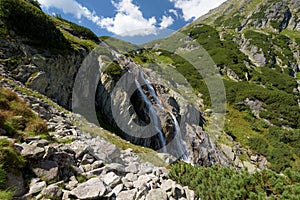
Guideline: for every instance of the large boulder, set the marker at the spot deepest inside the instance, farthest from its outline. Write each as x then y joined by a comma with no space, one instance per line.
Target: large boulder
157,194
92,189
47,169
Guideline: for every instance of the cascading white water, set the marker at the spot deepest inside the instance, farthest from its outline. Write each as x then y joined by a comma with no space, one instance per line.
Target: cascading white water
179,142
151,90
153,116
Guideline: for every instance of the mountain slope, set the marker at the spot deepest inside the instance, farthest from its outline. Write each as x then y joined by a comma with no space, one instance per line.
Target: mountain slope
243,55
259,65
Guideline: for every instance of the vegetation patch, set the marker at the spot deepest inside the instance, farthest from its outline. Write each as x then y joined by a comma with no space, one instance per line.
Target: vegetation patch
39,29
281,108
16,118
79,31
224,183
273,79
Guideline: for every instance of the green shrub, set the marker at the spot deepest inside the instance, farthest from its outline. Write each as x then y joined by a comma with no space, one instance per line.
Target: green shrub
224,183
9,156
275,79
224,53
114,70
2,177
28,20
80,31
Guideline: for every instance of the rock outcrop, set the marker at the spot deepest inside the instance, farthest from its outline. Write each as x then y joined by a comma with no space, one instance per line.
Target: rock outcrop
85,167
151,114
50,74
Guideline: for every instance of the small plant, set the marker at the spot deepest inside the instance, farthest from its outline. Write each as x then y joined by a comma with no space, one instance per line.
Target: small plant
81,179
114,70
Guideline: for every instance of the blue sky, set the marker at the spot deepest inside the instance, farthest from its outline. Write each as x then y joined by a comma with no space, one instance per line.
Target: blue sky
128,18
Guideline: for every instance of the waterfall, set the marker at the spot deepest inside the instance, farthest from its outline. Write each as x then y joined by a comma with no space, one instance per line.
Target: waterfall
179,142
151,90
153,117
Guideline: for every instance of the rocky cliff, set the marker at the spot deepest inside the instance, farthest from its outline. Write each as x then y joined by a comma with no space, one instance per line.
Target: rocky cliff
50,74
71,163
169,95
152,114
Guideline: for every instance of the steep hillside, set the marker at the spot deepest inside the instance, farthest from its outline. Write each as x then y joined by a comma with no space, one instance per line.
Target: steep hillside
255,45
46,53
223,90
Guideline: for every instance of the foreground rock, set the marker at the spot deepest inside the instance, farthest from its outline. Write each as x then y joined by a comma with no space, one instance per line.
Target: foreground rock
92,189
77,165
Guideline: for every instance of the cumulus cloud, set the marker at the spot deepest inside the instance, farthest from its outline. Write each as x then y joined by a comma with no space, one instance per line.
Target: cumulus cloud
71,7
192,9
174,12
129,20
166,22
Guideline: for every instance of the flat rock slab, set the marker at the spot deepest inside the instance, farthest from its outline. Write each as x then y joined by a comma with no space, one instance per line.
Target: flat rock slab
157,194
111,179
128,195
46,169
37,187
92,189
30,151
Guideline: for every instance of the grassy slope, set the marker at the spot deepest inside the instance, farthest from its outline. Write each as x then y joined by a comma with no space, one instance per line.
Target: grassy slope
43,31
19,122
272,85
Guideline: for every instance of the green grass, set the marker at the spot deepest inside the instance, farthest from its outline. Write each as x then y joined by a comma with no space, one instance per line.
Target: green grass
16,118
78,31
78,43
291,33
280,146
81,179
6,195
122,46
298,75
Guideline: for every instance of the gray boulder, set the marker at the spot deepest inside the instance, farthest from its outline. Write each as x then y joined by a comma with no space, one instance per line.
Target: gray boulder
157,194
52,191
92,189
30,151
127,195
46,169
36,187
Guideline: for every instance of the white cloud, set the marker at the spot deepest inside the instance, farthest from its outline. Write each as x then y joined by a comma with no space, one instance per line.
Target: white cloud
67,6
174,12
195,8
129,21
166,22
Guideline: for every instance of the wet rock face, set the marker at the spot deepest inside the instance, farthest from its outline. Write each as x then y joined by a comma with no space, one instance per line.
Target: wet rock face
150,114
